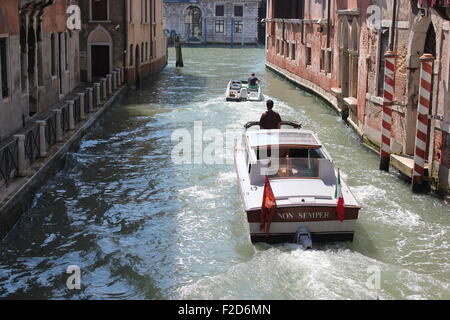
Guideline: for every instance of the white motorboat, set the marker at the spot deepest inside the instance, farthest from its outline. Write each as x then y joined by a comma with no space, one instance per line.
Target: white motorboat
303,180
239,90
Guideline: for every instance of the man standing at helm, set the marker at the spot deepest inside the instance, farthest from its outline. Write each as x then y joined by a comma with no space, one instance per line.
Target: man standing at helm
270,119
253,81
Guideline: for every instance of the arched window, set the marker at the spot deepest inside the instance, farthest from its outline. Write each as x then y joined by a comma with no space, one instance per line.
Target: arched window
193,21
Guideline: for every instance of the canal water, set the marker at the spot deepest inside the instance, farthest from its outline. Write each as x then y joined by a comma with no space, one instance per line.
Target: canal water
140,226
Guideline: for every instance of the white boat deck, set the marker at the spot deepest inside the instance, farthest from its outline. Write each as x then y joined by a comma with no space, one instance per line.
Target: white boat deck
291,191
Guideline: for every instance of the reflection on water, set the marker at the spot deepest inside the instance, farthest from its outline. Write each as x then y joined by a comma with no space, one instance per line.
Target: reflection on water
140,226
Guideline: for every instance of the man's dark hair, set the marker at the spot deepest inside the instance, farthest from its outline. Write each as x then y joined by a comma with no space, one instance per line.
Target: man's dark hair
269,104
253,74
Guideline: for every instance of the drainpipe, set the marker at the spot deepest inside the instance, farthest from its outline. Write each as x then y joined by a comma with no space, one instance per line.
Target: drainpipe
394,17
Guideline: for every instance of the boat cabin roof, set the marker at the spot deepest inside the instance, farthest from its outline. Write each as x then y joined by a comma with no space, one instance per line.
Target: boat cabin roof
283,137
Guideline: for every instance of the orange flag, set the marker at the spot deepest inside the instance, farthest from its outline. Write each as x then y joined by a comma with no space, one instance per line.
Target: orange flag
268,207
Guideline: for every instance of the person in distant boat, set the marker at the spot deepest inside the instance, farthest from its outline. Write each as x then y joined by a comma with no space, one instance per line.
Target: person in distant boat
253,81
270,119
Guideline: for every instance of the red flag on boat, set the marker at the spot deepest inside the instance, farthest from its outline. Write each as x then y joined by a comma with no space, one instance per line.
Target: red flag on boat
340,208
268,207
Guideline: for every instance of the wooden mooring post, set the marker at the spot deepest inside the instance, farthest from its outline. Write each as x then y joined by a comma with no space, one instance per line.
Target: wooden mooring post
389,93
420,153
179,55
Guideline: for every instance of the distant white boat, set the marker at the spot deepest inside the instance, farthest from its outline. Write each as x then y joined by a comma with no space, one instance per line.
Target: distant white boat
239,90
303,180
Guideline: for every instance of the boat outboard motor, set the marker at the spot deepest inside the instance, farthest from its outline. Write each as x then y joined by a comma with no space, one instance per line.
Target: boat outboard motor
243,94
303,238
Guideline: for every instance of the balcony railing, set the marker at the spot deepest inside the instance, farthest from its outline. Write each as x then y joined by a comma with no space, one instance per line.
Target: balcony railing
76,110
50,130
32,146
8,162
65,118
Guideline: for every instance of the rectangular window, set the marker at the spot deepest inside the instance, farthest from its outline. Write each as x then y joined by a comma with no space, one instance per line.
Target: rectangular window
219,26
131,8
4,68
60,62
150,11
131,55
66,50
154,12
238,26
278,47
53,53
293,53
384,45
282,48
153,17
308,56
99,10
329,67
293,9
287,49
220,10
238,11
145,11
322,60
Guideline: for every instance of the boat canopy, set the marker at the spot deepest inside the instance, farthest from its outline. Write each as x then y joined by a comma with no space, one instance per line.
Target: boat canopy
285,137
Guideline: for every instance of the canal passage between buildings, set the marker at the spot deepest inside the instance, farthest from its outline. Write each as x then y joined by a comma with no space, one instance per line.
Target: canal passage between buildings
141,227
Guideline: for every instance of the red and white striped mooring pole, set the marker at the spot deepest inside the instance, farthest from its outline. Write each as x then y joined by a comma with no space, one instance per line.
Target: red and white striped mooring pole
426,83
389,88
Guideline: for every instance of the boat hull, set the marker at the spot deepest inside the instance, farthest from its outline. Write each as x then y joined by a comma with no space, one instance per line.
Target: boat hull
321,222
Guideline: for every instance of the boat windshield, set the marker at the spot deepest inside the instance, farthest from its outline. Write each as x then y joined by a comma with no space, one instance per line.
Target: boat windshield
294,167
290,162
264,153
235,85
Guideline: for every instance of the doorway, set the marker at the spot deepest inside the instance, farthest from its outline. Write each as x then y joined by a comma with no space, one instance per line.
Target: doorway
100,53
423,40
100,60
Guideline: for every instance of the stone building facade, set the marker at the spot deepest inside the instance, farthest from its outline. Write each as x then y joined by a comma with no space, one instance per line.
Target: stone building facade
126,33
338,52
146,40
39,59
213,21
13,106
